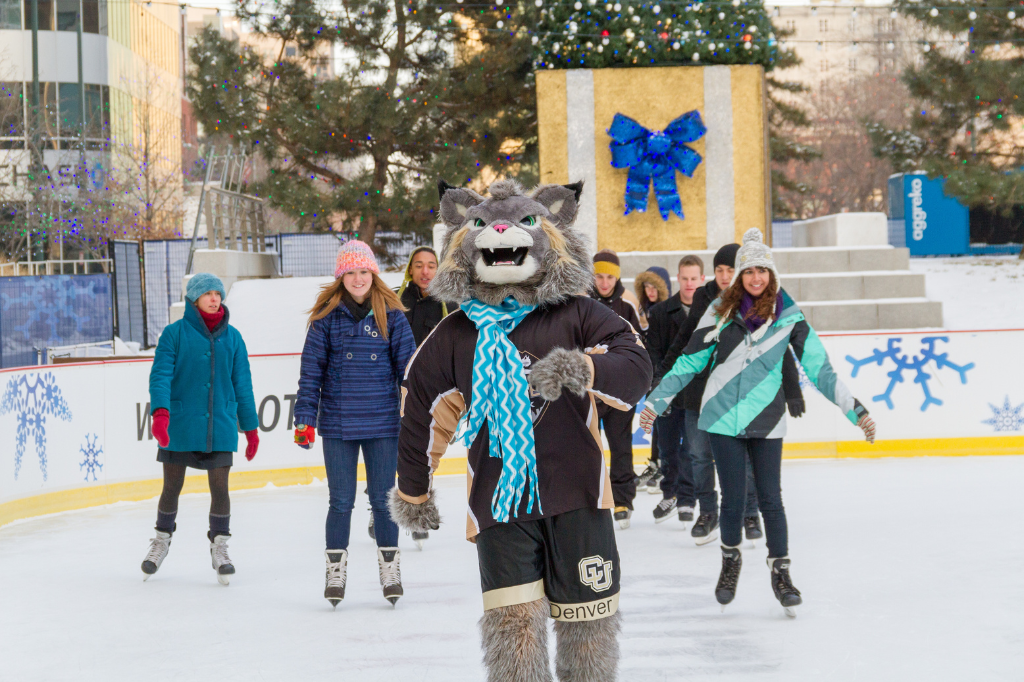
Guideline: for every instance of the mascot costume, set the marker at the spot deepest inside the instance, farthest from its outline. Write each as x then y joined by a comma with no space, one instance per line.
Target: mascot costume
524,360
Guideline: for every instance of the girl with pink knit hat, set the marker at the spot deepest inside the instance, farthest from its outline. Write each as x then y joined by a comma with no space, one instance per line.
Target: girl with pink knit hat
357,346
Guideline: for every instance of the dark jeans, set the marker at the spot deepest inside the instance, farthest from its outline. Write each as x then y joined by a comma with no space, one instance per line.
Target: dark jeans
675,460
341,457
766,456
618,429
699,447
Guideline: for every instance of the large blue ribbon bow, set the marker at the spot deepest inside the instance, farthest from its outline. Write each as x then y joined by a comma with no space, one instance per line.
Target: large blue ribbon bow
657,155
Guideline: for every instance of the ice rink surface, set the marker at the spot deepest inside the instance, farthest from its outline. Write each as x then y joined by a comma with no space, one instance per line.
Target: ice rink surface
910,570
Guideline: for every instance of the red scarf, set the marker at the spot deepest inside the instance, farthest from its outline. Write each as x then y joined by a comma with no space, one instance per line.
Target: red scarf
212,319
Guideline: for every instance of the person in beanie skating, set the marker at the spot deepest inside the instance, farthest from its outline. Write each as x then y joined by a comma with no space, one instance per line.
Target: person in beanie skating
357,346
618,424
200,392
744,336
698,444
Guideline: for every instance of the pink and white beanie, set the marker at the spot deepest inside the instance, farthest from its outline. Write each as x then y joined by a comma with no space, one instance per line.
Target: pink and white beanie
355,255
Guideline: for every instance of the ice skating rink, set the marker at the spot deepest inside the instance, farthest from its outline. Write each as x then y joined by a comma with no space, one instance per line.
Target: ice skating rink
910,570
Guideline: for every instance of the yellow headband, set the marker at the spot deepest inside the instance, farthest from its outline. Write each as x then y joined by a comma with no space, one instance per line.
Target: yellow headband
604,267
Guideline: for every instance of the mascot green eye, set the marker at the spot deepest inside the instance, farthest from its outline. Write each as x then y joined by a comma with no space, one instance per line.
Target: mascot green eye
479,222
530,221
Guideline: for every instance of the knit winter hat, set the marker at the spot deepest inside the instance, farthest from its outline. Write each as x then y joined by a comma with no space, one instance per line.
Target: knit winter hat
726,256
606,262
355,255
754,253
202,282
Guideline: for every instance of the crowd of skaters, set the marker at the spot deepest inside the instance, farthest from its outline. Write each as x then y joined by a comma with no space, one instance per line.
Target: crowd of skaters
361,335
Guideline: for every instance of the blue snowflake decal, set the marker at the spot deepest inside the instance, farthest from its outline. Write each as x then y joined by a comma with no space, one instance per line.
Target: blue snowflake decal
92,457
914,363
1006,418
32,401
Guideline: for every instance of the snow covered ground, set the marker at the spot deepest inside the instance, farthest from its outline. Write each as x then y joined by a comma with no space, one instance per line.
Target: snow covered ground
909,568
977,292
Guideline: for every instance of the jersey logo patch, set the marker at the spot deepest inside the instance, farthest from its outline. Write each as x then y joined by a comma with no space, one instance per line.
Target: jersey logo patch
596,573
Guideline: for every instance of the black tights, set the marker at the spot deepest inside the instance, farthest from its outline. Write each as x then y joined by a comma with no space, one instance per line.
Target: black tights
220,502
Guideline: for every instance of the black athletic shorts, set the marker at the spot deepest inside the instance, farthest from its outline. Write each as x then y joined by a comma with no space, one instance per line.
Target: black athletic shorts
570,558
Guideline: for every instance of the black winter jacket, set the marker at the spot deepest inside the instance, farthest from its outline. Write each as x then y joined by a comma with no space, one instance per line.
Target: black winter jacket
423,312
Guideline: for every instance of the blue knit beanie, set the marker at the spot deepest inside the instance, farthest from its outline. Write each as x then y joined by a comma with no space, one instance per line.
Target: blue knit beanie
202,282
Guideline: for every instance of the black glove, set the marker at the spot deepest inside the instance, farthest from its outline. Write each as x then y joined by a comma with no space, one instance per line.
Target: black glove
796,407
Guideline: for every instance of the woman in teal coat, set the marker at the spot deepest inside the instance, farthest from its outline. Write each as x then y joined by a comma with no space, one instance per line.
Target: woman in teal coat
200,392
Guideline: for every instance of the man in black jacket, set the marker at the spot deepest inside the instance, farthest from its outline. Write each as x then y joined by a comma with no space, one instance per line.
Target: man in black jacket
697,442
664,321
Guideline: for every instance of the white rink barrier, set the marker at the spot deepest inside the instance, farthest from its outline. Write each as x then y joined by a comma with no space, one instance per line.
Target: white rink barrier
79,435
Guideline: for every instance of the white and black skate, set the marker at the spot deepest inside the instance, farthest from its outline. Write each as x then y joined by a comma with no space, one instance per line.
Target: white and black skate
706,528
665,509
334,581
419,537
752,528
782,585
621,516
158,548
220,559
647,475
732,561
388,559
685,516
654,485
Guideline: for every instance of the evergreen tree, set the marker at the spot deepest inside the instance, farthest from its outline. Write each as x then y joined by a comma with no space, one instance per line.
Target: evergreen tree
969,82
423,91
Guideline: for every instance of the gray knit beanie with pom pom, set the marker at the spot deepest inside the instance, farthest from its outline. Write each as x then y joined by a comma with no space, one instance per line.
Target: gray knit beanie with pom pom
754,253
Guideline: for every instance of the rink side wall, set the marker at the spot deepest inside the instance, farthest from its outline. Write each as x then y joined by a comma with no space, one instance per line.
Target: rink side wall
79,435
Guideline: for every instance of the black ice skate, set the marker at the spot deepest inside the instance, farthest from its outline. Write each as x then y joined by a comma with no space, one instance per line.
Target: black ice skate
664,509
621,516
419,537
158,548
732,561
647,475
706,528
334,581
220,559
654,485
752,528
782,585
390,572
685,516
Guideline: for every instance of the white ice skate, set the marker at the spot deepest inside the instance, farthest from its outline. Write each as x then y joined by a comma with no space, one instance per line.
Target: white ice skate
334,581
158,548
220,559
419,536
390,572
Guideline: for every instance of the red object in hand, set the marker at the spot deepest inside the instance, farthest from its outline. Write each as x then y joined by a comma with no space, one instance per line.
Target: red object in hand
161,418
253,440
305,437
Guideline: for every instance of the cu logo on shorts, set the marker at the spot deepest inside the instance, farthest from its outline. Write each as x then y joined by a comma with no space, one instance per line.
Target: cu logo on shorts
596,573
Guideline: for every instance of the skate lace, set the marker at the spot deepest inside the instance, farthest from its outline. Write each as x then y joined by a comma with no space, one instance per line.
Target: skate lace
730,573
665,505
647,474
157,550
390,573
220,553
783,583
336,575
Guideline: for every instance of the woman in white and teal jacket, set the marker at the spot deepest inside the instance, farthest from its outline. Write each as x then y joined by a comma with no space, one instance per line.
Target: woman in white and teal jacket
744,336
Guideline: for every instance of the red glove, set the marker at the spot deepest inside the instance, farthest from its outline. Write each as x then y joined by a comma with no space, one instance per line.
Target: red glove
161,418
305,436
253,440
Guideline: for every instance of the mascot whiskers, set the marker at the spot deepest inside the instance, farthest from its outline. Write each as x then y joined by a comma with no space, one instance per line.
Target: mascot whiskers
523,361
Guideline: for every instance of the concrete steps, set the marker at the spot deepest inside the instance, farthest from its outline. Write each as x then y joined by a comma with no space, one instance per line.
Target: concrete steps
838,288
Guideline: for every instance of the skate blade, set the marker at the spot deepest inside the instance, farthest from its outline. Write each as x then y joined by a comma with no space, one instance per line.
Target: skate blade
663,519
147,576
393,600
790,611
334,603
723,607
419,545
224,579
623,525
710,537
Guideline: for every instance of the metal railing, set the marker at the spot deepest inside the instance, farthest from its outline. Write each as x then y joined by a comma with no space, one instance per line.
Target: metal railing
232,218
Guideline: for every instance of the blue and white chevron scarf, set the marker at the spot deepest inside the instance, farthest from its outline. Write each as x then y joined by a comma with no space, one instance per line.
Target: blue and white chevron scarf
501,396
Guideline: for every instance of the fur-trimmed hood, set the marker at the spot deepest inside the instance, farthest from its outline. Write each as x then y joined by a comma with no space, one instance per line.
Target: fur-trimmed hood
651,276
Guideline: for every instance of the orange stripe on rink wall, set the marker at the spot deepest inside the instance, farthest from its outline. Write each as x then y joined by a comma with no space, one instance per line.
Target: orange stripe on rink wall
132,491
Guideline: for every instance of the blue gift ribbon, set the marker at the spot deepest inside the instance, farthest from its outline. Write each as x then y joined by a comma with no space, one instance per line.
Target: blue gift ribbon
655,155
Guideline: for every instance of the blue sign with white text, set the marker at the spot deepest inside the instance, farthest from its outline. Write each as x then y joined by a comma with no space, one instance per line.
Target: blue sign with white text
935,224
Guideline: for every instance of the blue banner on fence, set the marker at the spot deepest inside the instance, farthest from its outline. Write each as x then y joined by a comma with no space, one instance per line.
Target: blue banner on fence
52,310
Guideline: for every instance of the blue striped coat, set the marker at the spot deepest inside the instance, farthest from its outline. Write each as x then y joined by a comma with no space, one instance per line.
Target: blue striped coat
350,375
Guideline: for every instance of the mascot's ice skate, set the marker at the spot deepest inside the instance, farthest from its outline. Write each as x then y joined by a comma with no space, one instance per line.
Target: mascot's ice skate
527,355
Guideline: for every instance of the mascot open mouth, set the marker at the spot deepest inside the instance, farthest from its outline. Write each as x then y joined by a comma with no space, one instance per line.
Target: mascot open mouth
504,256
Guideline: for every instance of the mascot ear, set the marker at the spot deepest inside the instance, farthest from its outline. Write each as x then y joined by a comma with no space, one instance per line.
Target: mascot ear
562,201
455,201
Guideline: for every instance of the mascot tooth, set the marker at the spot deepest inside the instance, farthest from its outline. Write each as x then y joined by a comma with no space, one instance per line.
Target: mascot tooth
514,361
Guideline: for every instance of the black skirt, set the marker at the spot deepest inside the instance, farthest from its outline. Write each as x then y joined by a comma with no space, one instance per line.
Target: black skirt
196,460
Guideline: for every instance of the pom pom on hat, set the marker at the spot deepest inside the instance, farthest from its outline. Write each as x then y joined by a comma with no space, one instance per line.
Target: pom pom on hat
202,282
753,235
355,255
754,253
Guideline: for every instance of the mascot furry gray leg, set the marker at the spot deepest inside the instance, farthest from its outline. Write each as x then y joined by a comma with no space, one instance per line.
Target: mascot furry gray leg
515,642
588,651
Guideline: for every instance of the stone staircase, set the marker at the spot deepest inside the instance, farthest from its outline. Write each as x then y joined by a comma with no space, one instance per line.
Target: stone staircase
848,288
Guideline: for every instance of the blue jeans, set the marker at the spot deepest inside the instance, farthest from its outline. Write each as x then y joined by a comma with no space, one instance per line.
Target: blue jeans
765,454
675,460
704,469
341,458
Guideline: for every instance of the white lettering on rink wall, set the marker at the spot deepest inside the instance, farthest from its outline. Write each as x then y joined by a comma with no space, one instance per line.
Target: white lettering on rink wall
917,214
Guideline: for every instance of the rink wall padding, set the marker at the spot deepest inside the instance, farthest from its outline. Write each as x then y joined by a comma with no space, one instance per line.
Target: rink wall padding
79,435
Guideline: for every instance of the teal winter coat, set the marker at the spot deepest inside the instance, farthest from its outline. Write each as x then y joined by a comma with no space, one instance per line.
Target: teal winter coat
202,379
